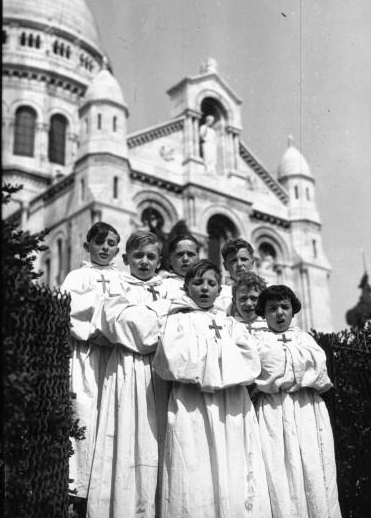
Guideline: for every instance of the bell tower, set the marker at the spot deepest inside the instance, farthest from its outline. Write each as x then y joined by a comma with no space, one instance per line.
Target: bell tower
212,113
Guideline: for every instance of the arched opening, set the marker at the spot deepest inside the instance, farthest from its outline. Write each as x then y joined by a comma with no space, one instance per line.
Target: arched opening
57,139
24,131
268,256
219,229
152,219
211,131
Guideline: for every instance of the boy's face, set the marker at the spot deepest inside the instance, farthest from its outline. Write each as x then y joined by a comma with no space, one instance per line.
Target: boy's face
278,314
102,249
238,263
143,261
184,255
204,290
246,299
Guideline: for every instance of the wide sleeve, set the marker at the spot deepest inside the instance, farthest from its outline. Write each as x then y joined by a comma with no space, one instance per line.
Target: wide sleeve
84,300
188,356
309,363
134,326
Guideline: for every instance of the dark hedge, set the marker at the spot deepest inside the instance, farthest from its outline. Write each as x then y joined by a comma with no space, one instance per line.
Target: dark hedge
37,406
349,403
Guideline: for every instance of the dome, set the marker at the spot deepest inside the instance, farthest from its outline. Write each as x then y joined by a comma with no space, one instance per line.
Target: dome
71,16
293,163
104,87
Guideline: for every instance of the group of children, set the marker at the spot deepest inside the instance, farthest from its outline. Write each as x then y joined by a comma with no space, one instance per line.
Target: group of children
198,400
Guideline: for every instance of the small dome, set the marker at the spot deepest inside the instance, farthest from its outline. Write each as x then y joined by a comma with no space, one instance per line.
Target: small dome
104,87
71,16
293,163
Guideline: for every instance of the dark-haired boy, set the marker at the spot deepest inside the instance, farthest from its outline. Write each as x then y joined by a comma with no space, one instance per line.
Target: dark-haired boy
88,285
183,252
212,463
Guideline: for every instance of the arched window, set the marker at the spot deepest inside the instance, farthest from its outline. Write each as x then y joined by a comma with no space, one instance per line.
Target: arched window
61,49
114,123
30,40
37,42
56,47
115,186
307,193
57,139
296,190
99,121
24,132
47,271
60,261
23,39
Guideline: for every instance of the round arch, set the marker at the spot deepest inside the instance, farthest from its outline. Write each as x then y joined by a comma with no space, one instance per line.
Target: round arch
149,199
267,236
220,100
19,103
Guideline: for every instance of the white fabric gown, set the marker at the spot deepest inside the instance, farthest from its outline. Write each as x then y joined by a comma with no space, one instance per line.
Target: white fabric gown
88,286
295,429
213,465
124,475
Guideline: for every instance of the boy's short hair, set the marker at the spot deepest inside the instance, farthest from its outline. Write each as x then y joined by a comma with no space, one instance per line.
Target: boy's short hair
100,229
277,292
250,280
182,237
233,245
140,238
199,268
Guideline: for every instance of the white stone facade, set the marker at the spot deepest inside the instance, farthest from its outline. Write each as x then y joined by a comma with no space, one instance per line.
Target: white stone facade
110,175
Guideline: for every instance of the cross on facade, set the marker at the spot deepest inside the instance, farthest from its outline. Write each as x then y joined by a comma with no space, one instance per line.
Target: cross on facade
153,292
284,339
249,327
216,328
103,281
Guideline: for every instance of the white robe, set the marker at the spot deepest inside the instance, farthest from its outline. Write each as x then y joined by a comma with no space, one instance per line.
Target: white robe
124,475
88,361
295,429
256,325
213,465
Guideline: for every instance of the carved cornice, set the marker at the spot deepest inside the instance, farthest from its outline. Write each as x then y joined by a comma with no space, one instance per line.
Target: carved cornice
269,218
138,139
264,175
157,182
43,76
55,190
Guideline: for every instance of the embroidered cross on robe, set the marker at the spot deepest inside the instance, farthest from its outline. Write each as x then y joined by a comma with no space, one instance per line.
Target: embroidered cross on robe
103,281
216,329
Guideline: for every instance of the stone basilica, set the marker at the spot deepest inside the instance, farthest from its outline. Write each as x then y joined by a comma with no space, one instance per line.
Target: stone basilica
65,139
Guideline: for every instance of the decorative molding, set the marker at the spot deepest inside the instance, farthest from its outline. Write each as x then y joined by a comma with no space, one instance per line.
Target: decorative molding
55,190
264,175
44,76
157,182
269,218
156,132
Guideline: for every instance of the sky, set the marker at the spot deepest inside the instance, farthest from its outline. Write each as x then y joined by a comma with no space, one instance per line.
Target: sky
301,67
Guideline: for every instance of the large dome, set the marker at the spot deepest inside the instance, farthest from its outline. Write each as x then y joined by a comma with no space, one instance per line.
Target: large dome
72,16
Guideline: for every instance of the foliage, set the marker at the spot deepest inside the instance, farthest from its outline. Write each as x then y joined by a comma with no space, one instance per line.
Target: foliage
349,363
37,407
